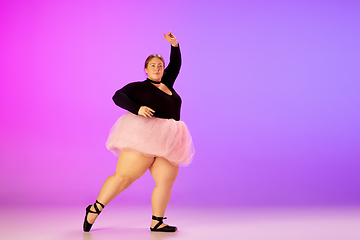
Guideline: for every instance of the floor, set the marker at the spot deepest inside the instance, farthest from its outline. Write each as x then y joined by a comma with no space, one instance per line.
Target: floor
193,223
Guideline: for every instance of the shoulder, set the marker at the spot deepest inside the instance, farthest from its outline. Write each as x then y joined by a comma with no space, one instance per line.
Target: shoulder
134,85
137,83
134,88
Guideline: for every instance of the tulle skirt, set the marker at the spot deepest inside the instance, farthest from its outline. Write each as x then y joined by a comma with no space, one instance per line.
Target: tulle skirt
155,137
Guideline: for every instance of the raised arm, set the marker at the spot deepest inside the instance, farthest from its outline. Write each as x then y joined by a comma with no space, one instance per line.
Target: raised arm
172,70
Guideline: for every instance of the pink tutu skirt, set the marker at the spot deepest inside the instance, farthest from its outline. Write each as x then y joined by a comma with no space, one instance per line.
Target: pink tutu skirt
155,137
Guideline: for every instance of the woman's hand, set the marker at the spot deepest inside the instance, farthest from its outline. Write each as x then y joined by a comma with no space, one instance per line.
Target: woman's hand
171,39
145,111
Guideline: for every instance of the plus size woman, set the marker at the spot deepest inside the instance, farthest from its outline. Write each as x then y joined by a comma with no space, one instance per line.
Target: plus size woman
150,136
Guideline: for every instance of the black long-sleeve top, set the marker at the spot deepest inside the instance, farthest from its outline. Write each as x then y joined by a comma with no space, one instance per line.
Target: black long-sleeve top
134,95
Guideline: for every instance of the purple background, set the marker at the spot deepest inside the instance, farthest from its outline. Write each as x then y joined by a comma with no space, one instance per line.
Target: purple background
270,94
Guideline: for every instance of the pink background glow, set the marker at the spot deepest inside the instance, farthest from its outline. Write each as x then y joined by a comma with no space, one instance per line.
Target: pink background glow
270,94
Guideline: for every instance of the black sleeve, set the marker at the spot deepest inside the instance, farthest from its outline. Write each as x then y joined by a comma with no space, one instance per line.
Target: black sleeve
173,69
123,98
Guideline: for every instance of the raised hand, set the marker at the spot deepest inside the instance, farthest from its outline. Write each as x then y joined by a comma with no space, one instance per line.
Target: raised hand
171,39
146,111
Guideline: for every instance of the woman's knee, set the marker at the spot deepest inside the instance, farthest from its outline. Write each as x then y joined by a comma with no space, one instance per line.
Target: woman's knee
164,186
164,183
164,172
124,178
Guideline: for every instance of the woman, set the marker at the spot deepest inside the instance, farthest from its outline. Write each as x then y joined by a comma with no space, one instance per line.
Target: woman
150,137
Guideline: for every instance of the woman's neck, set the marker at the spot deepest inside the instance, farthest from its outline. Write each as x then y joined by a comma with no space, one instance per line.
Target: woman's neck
154,82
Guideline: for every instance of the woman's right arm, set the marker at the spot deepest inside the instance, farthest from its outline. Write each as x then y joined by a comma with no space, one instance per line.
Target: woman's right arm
123,99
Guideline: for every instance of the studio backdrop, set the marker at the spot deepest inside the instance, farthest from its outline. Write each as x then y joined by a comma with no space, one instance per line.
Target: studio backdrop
270,94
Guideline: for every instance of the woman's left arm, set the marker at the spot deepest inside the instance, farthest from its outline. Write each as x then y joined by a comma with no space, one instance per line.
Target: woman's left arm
173,69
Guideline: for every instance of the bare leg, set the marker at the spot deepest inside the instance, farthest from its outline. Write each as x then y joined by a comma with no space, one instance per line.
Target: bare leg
164,174
130,167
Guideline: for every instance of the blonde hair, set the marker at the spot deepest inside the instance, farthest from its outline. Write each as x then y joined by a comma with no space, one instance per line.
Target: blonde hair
153,56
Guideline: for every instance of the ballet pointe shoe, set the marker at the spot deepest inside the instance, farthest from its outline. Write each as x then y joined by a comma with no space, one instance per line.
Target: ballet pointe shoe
87,226
167,228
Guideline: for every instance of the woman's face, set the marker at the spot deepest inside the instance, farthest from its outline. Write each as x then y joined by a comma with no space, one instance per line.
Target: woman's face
155,69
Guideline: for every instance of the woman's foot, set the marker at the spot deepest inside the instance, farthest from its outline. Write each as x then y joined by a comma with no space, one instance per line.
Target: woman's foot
92,212
157,225
93,215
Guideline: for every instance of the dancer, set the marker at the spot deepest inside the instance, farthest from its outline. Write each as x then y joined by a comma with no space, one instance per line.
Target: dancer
150,136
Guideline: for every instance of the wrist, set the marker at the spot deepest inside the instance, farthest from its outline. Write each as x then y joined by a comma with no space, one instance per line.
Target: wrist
175,45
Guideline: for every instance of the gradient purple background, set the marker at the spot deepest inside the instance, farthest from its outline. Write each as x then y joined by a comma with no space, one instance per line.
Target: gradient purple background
270,94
